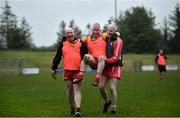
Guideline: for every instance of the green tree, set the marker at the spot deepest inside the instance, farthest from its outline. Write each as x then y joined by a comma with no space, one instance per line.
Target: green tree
175,26
2,39
88,27
137,29
8,26
21,37
166,35
77,31
25,35
105,26
11,35
60,33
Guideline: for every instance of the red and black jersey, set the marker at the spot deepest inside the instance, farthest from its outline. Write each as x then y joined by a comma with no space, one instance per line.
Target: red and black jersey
114,51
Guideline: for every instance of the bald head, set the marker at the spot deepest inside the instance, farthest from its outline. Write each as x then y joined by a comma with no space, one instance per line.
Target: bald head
96,25
69,33
161,51
96,30
112,29
69,29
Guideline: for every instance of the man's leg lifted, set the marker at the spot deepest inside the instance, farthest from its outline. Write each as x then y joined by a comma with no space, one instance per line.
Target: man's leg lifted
100,67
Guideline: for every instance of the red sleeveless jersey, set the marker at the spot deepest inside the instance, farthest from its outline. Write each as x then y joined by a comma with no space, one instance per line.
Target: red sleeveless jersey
161,60
96,47
71,55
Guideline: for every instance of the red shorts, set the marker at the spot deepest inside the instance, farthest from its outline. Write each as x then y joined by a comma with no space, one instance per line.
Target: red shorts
113,72
71,74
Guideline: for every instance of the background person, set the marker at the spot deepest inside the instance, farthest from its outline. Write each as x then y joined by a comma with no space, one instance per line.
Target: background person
160,60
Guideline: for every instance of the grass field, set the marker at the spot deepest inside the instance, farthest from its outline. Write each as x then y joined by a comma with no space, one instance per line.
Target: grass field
139,94
43,59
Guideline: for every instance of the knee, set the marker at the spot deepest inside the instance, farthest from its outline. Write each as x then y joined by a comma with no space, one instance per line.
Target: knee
76,88
87,59
112,89
70,89
102,87
101,58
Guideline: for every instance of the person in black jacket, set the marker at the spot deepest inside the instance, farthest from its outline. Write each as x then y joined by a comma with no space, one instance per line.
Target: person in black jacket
113,69
72,50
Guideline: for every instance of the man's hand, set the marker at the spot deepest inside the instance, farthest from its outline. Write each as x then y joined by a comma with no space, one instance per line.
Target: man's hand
53,74
79,78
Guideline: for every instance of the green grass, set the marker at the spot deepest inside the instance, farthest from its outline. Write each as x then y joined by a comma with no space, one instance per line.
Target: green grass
33,59
43,60
129,60
139,94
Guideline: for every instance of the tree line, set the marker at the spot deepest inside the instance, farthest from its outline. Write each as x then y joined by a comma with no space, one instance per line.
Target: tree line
136,26
12,35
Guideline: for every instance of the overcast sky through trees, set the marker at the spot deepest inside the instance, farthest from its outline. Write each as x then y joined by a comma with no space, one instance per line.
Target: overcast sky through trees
45,15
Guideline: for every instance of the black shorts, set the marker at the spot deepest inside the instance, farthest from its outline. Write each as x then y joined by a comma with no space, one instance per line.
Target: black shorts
162,68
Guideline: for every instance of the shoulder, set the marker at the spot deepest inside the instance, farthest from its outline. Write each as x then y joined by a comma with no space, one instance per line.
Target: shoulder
165,56
82,43
78,41
119,40
64,39
104,35
85,38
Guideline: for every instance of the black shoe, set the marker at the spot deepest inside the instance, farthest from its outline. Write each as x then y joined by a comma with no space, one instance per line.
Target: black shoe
77,114
72,112
106,105
113,111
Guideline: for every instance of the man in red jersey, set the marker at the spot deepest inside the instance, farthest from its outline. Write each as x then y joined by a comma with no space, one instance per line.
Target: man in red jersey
113,69
97,52
72,50
160,60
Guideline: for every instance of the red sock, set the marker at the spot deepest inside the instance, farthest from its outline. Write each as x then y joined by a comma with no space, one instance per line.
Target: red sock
77,109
